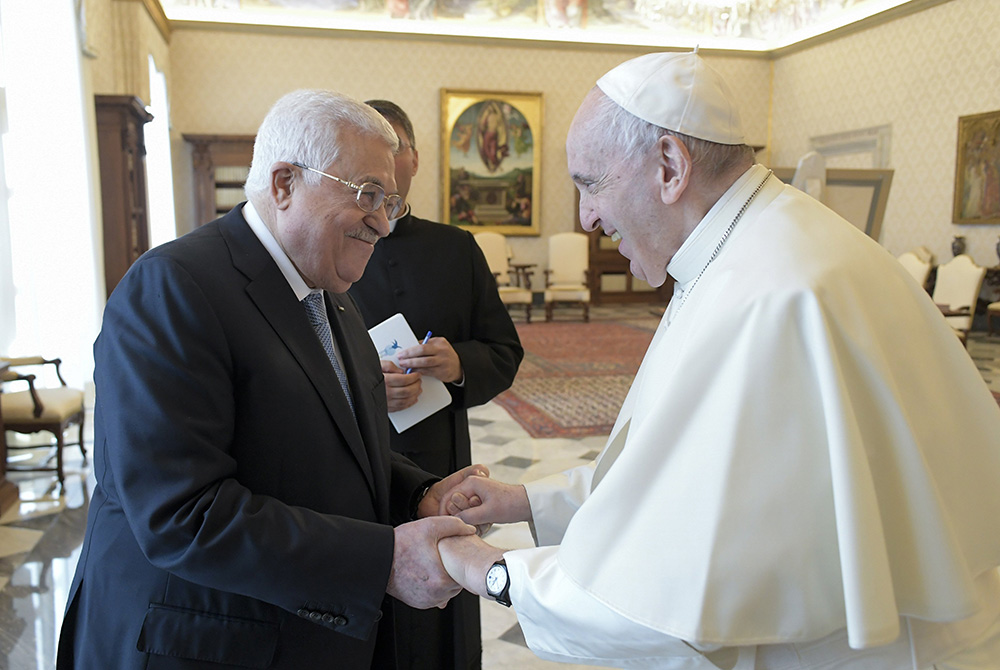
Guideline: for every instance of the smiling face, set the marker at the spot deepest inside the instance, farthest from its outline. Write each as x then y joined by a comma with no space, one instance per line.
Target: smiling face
326,235
622,194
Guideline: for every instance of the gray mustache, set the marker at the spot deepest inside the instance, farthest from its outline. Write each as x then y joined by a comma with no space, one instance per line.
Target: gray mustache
365,235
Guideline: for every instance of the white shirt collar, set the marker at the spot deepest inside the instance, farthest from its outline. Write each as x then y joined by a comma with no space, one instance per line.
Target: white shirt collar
393,222
266,238
689,260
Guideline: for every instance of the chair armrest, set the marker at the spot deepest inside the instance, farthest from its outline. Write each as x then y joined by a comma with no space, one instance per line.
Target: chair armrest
10,376
24,360
36,360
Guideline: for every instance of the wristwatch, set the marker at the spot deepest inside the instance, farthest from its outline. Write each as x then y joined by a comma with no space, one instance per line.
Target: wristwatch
498,583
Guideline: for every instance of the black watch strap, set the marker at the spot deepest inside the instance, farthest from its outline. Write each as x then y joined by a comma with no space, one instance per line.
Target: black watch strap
503,595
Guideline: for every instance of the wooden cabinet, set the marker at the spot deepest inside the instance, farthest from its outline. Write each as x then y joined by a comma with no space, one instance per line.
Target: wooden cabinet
221,164
122,154
612,282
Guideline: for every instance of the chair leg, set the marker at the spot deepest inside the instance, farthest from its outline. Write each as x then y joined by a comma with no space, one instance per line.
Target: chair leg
548,311
586,312
83,449
527,313
60,443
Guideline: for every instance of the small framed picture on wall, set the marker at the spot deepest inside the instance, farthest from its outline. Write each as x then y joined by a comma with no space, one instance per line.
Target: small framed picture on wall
977,169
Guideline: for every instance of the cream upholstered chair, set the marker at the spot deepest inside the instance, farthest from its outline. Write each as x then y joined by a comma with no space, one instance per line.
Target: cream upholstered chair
34,410
568,272
494,246
916,265
957,290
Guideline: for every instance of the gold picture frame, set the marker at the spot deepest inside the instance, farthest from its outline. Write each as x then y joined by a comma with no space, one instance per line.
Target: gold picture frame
977,169
491,160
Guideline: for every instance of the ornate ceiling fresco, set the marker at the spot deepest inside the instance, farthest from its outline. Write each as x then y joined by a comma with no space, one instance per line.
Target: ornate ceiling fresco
740,25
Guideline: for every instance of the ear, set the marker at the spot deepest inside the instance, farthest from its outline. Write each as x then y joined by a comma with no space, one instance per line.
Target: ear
284,178
673,168
416,162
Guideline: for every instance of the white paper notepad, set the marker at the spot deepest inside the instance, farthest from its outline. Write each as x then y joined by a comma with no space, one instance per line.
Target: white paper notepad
390,337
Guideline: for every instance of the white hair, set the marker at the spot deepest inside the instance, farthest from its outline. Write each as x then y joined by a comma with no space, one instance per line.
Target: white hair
621,133
305,127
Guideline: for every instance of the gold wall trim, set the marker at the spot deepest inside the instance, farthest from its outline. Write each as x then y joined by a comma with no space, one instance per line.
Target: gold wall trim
155,11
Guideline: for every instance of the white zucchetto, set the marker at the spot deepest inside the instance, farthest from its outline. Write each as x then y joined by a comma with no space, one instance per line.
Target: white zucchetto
679,92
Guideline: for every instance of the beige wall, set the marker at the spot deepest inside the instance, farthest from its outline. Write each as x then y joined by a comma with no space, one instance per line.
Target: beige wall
224,81
121,35
918,74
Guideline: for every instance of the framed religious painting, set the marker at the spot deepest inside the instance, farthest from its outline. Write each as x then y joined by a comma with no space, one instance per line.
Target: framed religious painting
491,160
977,169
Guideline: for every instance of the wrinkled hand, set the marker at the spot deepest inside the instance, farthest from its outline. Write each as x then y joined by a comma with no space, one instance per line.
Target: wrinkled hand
467,559
431,503
417,577
401,390
436,358
478,500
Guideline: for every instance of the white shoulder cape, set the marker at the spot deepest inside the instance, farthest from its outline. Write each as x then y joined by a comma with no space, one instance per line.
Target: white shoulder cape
808,448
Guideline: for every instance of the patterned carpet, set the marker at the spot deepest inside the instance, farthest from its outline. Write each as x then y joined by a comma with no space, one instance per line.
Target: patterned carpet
574,376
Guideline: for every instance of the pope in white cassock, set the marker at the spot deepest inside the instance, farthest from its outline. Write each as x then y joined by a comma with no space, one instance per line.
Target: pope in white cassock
806,470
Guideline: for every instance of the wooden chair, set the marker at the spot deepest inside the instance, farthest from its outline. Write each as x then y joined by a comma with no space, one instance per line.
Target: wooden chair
566,279
514,286
53,410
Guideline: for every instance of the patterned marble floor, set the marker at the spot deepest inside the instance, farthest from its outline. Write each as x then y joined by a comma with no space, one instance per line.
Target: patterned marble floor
40,539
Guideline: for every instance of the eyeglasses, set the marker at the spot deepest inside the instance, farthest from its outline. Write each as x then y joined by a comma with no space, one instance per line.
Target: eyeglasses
370,196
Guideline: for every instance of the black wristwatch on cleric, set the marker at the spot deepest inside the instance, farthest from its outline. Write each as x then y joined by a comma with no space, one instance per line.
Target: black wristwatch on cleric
498,583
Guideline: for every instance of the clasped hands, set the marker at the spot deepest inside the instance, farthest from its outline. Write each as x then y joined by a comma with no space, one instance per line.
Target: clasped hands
441,553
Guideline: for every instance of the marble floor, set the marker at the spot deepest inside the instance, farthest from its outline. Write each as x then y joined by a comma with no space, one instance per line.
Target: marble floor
40,539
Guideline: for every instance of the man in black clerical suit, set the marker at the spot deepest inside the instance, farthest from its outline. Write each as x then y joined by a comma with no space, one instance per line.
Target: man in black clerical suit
437,277
246,495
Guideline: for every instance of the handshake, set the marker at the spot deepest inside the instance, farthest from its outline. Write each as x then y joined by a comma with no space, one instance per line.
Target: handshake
442,552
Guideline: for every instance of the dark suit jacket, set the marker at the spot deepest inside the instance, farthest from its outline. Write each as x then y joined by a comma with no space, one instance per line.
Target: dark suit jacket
241,514
437,277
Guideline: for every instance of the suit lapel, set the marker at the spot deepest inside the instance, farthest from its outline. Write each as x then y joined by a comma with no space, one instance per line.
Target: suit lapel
272,295
362,368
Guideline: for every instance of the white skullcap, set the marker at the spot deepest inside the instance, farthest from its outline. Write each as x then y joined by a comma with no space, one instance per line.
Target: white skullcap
679,92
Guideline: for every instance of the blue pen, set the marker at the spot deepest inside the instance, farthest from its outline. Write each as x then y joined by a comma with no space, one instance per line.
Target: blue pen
426,337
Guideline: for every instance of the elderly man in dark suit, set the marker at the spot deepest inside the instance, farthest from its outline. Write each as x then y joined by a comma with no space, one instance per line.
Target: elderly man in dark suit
437,277
246,496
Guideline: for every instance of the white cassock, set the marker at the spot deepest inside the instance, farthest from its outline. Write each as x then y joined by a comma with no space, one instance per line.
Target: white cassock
808,476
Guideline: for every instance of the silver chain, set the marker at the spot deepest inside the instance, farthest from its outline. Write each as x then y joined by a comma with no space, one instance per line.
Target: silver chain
722,242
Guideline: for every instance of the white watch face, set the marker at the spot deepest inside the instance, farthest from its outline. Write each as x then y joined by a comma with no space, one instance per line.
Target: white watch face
496,580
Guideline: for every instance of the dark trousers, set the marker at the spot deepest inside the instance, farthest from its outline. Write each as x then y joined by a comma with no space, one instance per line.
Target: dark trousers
433,639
